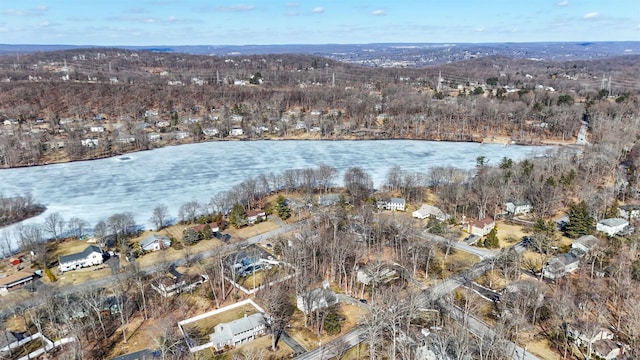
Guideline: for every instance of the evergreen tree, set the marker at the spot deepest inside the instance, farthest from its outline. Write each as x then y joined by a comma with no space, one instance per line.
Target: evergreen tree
190,236
580,222
492,239
206,232
237,216
282,209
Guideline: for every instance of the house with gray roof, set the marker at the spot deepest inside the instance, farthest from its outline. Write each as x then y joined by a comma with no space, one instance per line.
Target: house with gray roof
430,211
231,334
560,265
90,256
154,242
612,226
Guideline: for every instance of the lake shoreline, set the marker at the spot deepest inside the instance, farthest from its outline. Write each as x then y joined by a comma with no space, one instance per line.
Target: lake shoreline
496,140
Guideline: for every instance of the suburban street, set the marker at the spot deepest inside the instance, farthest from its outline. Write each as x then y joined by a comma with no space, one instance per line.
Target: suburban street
39,300
330,349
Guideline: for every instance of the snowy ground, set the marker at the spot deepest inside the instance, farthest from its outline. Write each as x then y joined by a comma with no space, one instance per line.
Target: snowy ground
138,182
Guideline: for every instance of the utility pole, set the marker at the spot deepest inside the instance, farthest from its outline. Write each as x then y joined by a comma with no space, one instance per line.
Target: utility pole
333,79
609,86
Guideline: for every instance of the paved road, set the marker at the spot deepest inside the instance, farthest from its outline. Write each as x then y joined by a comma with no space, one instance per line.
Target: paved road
332,348
293,344
101,282
480,329
430,294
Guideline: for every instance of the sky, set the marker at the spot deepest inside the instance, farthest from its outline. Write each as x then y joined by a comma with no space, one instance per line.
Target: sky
262,22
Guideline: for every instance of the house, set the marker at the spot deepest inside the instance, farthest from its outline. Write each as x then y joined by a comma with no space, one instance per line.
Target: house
481,227
254,215
162,123
236,132
15,281
96,128
629,211
171,285
154,242
237,332
179,135
393,204
612,226
153,137
210,132
584,244
318,298
560,265
599,342
518,207
89,142
379,273
90,256
430,211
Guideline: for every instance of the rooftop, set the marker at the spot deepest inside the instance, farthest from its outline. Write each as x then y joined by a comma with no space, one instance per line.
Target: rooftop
81,255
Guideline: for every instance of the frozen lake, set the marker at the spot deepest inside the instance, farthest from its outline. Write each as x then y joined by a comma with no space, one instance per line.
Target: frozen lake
138,182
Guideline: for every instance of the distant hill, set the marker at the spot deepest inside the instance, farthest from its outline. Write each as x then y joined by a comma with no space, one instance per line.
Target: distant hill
387,55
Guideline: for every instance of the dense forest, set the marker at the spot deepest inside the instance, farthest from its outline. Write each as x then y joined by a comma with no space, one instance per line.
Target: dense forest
81,104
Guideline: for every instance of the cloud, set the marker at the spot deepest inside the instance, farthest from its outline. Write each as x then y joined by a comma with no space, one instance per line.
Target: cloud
318,10
378,13
35,11
591,15
563,3
479,29
235,8
293,4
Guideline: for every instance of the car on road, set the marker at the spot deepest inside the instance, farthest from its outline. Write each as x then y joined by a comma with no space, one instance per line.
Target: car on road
364,301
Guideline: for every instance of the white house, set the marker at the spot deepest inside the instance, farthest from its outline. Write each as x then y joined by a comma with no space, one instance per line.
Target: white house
236,132
210,131
89,142
430,211
253,215
90,256
238,331
179,135
319,298
481,227
154,136
96,128
518,207
394,204
629,211
612,226
154,242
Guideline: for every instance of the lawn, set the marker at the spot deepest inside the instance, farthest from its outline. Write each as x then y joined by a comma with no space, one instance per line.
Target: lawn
509,234
199,330
256,279
309,338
